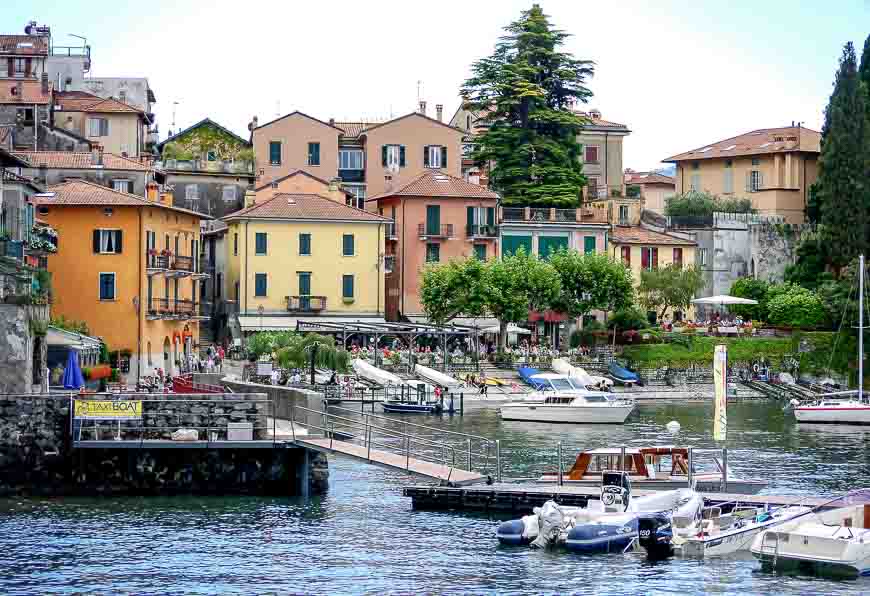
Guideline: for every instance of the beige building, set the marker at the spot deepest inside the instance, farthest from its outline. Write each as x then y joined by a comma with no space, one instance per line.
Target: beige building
774,167
655,188
368,158
113,125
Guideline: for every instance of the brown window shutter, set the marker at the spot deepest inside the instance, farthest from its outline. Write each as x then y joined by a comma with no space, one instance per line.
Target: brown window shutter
27,67
10,65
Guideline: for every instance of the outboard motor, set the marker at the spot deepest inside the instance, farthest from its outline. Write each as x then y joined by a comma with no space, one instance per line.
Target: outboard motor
655,534
615,491
551,521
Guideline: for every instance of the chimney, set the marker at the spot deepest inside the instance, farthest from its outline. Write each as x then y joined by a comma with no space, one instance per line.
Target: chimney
44,83
251,126
165,199
250,198
423,106
43,173
334,184
151,193
97,155
70,125
595,114
332,121
439,111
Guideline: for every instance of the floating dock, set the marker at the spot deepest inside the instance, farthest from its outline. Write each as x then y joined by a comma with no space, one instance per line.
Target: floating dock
522,498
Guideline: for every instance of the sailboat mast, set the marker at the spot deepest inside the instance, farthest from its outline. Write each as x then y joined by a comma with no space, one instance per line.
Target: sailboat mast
861,329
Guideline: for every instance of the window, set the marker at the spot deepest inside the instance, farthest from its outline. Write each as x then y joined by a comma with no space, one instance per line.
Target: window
393,156
20,66
347,245
480,252
678,256
98,127
728,181
191,192
626,255
592,182
218,285
313,154
24,115
149,354
107,242
756,161
347,287
210,156
260,243
107,286
702,256
305,244
122,96
123,185
623,215
228,194
433,252
695,182
433,220
359,197
589,245
696,165
350,159
590,154
649,258
467,122
304,283
434,156
236,291
275,153
236,244
260,284
756,181
467,149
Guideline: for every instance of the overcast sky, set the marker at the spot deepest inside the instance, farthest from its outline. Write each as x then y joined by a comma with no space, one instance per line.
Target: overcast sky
680,74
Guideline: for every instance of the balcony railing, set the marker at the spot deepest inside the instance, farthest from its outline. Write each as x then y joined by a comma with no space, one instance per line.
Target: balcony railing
182,309
430,231
12,248
587,213
182,263
352,175
391,232
156,261
478,231
306,303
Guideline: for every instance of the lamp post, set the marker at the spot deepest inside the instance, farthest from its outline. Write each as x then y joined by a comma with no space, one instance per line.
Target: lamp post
312,349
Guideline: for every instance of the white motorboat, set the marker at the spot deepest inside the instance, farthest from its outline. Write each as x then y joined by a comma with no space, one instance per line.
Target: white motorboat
829,540
718,533
591,382
375,375
560,399
436,377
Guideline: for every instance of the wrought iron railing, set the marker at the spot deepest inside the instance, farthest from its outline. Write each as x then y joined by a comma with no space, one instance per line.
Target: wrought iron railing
306,303
433,231
481,231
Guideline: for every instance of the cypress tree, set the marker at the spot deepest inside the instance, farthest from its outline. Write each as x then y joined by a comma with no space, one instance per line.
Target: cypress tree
842,187
864,69
524,92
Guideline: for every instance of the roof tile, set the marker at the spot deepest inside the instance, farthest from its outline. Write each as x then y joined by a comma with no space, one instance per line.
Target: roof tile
78,101
82,193
303,206
638,235
433,183
649,178
31,92
757,142
79,160
30,45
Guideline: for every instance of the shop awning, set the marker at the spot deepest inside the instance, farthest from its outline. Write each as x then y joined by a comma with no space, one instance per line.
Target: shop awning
251,323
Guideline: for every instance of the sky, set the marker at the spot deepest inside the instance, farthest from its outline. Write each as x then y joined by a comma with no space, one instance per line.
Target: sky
679,74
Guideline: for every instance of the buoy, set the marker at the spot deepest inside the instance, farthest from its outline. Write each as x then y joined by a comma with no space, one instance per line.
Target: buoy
673,426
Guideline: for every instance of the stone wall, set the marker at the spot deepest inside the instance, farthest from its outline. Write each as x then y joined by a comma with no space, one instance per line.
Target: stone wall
16,349
285,399
210,191
773,247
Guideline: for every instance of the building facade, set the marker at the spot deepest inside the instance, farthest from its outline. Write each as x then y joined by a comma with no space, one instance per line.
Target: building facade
655,189
115,126
106,169
300,256
774,167
129,267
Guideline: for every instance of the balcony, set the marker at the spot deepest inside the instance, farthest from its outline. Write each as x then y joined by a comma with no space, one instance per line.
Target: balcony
12,248
391,232
431,231
159,308
352,175
588,213
155,262
313,304
181,309
184,266
484,231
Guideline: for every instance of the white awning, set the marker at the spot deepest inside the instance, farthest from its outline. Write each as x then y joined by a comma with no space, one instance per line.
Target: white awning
61,337
465,321
251,323
722,300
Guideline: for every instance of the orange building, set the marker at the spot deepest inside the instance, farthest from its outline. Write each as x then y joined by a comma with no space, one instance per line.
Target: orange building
129,267
428,214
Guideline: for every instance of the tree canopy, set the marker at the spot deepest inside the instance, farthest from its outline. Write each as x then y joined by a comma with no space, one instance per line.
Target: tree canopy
670,287
457,287
703,204
524,93
591,282
753,289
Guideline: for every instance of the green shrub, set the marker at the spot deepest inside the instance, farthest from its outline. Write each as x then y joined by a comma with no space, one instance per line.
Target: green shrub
703,204
753,289
628,318
795,306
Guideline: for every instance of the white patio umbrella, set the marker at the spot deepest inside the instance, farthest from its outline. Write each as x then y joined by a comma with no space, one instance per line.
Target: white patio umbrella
511,329
723,300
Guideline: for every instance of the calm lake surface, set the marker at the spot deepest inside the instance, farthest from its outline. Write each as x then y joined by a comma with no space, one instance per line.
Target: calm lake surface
363,536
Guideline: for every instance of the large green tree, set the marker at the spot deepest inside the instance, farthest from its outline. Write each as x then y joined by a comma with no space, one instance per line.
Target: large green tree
452,289
753,289
524,93
670,287
591,282
864,71
842,188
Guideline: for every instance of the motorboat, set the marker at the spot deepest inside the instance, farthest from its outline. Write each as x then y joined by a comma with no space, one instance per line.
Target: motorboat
395,406
622,374
375,375
529,376
436,377
608,525
650,468
559,399
591,382
834,539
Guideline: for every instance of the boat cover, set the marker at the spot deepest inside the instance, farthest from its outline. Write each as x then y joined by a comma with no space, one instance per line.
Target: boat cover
375,374
622,373
437,377
527,373
563,367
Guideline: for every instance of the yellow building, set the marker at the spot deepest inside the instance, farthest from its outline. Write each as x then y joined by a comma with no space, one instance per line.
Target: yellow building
774,167
304,257
129,267
639,249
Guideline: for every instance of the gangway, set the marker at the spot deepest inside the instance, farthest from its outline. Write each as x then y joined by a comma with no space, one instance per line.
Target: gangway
460,460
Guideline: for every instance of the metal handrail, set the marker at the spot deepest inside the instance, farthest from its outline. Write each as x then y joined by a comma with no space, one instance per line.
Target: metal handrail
432,428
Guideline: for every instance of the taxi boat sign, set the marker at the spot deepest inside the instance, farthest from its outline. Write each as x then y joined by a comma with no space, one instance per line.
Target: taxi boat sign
127,409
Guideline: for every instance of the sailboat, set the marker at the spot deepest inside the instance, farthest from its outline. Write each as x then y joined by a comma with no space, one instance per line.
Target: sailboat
843,407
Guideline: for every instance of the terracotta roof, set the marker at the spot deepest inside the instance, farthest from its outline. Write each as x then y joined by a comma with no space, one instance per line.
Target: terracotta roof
433,183
353,129
78,101
298,113
296,173
12,177
31,45
599,122
31,92
79,160
757,142
649,178
82,193
303,206
638,235
418,114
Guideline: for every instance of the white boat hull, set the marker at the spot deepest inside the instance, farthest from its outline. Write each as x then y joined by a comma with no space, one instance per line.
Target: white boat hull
856,414
732,541
566,413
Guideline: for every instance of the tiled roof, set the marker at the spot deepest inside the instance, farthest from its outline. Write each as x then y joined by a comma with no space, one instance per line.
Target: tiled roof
353,129
418,114
599,122
295,173
649,178
80,192
79,160
13,178
31,45
31,92
433,183
78,101
304,115
303,206
638,235
757,142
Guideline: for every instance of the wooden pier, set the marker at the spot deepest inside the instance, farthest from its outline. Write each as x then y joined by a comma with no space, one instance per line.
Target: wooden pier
522,498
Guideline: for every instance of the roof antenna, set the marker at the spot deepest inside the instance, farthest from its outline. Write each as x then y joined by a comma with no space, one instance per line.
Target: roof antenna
277,108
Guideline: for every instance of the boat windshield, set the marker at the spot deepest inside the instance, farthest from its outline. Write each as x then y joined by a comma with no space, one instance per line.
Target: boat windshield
562,384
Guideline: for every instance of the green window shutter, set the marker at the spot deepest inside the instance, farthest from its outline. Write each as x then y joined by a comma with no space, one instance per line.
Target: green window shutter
260,243
260,286
480,252
275,152
589,244
426,156
547,245
490,216
469,219
433,219
511,244
443,157
347,286
119,235
304,284
384,155
401,156
347,245
96,241
304,244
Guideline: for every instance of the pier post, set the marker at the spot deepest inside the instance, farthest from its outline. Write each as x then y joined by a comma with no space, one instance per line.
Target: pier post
462,403
622,459
468,443
724,469
498,460
691,465
303,474
560,462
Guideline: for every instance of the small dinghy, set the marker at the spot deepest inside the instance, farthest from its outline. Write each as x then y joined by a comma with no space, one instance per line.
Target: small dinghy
622,374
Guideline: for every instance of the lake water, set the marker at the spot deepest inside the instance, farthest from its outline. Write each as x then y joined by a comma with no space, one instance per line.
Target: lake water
363,536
